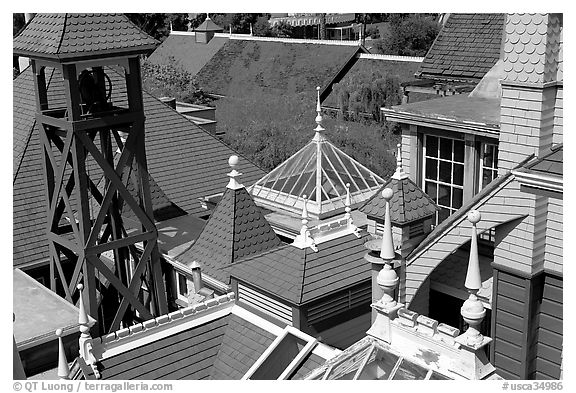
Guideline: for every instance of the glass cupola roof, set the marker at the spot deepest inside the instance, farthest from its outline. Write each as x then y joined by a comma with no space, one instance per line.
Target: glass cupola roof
318,172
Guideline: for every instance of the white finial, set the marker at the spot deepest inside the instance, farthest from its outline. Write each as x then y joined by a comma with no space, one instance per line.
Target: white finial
399,174
318,119
251,29
83,320
304,239
387,252
233,183
472,310
208,16
387,280
63,368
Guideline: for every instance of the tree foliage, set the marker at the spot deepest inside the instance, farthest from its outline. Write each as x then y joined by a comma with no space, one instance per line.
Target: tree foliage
282,29
158,25
408,35
269,129
366,93
18,23
171,80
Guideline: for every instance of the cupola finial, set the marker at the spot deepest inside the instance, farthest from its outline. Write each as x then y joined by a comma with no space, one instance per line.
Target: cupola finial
304,239
472,310
233,183
399,174
387,251
319,127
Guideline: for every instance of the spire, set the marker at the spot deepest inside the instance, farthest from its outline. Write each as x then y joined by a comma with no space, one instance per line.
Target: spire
304,239
387,251
473,310
233,183
318,119
399,174
63,369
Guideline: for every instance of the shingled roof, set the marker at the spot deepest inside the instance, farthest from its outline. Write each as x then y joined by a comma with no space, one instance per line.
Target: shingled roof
243,67
302,275
408,204
216,339
74,36
235,230
465,49
186,162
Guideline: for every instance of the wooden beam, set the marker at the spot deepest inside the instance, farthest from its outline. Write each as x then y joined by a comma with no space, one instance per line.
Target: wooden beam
123,242
110,173
116,283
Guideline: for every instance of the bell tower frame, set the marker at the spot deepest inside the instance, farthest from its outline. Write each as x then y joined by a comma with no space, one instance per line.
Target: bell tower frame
92,146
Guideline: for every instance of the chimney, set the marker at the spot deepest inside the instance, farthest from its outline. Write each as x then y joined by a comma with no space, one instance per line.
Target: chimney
196,276
532,67
170,101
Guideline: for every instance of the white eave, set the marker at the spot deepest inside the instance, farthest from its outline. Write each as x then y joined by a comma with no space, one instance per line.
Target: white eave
539,180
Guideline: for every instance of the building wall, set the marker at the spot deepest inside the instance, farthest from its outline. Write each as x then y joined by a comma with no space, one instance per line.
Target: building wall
553,260
548,353
515,243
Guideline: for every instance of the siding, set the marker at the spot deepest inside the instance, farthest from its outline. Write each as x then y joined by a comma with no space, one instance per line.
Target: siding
553,260
508,309
526,123
549,346
558,117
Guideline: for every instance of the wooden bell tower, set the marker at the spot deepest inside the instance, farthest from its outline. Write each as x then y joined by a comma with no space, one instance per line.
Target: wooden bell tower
90,120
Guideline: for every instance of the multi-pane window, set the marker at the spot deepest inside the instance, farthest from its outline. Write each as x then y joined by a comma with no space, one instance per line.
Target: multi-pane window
488,164
444,173
488,172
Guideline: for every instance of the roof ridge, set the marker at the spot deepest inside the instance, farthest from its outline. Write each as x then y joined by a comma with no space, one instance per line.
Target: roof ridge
182,314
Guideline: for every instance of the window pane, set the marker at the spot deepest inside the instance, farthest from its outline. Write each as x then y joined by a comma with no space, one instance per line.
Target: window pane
431,146
457,198
459,174
431,169
182,285
431,190
459,151
410,371
443,214
445,172
486,177
446,148
495,157
443,195
488,156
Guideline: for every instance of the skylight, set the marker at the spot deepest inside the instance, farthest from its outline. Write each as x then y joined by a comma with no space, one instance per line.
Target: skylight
320,171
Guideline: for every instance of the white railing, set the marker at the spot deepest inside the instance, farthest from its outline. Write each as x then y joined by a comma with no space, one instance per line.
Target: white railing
413,59
248,37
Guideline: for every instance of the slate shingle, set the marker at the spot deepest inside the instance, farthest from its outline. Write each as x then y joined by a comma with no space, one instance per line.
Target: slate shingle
300,276
408,204
77,35
236,229
463,41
